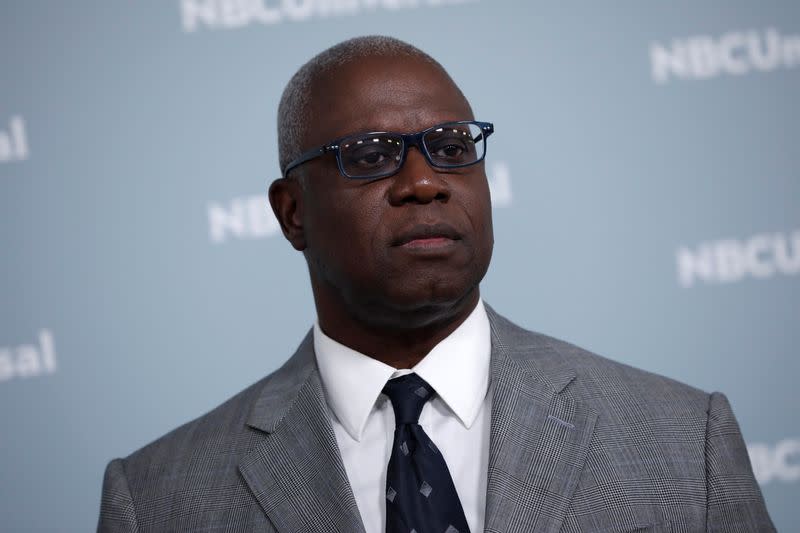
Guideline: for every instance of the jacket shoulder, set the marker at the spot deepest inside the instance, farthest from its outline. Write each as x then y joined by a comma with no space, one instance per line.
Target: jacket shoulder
228,427
163,484
225,422
213,442
160,486
605,383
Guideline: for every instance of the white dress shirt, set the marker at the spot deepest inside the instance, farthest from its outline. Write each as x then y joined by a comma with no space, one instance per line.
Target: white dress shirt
456,419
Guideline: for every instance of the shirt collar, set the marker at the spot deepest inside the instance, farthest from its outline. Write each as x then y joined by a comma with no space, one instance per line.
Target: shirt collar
457,368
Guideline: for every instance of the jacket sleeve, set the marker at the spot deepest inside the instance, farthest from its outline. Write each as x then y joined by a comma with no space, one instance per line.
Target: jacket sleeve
733,498
117,512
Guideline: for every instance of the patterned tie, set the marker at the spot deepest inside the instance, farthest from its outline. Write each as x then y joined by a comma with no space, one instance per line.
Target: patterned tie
420,495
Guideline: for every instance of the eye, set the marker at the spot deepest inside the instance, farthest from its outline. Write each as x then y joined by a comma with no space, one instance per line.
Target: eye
369,157
371,153
449,151
373,157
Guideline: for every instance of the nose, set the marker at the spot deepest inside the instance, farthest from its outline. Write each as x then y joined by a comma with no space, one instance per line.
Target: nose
417,182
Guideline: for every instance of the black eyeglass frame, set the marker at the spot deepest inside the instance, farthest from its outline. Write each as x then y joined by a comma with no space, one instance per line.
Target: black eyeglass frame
409,140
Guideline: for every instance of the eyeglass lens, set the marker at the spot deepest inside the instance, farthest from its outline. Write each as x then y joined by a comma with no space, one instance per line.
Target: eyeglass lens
448,145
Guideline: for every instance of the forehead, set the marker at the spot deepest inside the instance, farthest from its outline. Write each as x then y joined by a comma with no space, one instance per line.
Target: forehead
377,93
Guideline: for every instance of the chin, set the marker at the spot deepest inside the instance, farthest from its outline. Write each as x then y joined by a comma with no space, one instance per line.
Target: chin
442,295
406,306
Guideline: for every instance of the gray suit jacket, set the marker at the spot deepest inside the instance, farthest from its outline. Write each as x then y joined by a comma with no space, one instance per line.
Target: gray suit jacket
578,443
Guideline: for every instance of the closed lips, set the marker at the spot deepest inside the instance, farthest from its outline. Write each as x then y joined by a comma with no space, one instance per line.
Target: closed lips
426,233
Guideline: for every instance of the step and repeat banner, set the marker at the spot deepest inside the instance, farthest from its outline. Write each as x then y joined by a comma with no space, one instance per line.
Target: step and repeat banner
645,175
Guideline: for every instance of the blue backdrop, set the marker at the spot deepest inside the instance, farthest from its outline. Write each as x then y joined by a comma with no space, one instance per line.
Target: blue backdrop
143,281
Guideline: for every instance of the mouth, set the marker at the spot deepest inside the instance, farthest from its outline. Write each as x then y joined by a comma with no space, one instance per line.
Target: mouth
424,236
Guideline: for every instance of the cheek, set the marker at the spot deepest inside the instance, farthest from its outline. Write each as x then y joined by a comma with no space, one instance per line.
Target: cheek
477,205
344,230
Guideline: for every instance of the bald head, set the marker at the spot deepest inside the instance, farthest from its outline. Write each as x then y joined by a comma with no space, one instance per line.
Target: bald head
296,110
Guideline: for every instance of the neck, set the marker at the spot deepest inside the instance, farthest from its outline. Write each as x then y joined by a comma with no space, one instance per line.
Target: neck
400,339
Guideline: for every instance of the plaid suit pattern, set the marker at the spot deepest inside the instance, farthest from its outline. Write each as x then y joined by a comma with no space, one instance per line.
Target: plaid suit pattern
578,443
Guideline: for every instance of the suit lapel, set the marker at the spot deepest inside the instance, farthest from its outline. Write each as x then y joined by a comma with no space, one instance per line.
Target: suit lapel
539,435
296,473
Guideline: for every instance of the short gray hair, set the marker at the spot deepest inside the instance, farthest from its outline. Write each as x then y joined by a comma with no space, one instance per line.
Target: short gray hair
294,109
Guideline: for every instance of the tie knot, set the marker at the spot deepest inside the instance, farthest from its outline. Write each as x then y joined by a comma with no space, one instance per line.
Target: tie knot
408,395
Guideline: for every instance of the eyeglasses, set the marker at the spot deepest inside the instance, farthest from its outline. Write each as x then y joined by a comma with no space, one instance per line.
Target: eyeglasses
381,154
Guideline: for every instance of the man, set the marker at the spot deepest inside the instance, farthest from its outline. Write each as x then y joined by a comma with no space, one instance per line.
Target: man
412,406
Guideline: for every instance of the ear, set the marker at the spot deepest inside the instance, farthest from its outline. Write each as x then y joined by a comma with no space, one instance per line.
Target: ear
286,199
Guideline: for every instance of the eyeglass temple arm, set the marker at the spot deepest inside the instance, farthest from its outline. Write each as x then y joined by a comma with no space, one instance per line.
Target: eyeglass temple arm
308,156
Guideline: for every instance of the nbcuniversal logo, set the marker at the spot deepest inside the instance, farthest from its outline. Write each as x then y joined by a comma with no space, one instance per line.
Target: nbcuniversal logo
250,217
29,360
735,53
778,462
730,260
234,14
14,141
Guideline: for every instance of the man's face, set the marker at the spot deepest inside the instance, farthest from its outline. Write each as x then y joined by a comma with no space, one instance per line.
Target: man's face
421,238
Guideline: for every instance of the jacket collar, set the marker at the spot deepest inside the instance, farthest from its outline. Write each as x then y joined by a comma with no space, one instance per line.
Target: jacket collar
281,388
538,444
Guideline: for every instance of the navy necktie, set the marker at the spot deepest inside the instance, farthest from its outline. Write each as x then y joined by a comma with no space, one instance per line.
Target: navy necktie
420,495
